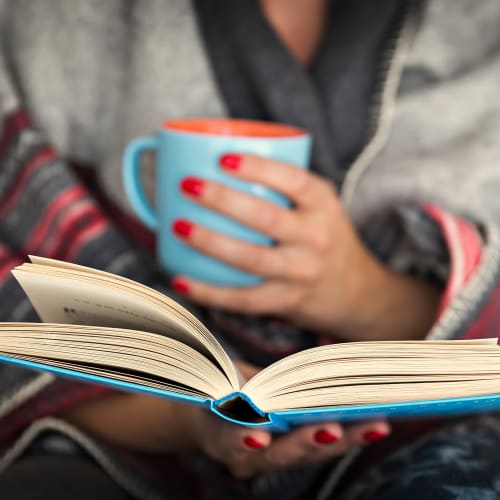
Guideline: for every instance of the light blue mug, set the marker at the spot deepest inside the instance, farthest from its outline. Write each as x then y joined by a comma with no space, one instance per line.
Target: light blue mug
192,147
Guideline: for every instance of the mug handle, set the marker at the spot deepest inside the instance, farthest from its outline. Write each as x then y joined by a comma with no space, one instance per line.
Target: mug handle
132,179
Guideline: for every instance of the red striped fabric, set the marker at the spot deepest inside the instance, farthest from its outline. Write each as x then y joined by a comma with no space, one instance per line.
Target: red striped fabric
13,124
66,223
57,397
8,260
48,220
43,156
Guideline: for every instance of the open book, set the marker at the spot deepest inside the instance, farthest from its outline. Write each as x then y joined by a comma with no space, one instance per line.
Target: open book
107,329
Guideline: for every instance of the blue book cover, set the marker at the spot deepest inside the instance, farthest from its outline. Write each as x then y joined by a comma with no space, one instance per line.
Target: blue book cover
109,330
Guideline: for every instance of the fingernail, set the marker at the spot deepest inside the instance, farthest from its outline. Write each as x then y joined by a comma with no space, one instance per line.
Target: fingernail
230,161
252,442
182,228
324,437
180,286
374,435
192,186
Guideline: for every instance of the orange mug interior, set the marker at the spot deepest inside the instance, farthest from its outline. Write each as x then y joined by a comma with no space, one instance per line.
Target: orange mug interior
233,127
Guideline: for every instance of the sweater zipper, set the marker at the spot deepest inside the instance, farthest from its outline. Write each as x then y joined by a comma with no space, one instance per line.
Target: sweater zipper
385,103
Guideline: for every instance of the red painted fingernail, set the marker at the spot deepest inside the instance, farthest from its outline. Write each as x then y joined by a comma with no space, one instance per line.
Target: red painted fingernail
230,161
324,437
373,435
180,286
182,228
252,442
192,186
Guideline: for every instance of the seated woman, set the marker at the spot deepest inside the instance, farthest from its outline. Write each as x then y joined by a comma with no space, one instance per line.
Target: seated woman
393,233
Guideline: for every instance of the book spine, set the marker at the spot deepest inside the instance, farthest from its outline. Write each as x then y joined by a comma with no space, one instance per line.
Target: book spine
238,408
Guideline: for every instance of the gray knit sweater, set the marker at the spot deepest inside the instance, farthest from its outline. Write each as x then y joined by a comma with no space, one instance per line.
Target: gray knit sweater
95,74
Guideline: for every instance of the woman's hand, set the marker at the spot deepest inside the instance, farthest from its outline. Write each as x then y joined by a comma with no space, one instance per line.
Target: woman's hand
157,425
319,275
247,452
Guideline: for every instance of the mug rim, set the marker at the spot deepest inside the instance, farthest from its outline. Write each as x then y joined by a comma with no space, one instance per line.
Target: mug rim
233,127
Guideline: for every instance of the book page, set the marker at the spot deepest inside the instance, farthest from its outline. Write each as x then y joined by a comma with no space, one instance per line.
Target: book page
144,358
377,373
67,293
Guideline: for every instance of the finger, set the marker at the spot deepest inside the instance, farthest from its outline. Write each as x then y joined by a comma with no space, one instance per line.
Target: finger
278,223
229,443
352,436
283,263
301,446
367,432
302,187
262,260
308,444
316,443
270,297
241,446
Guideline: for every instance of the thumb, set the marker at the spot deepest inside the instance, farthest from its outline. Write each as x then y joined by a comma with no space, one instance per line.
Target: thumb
246,369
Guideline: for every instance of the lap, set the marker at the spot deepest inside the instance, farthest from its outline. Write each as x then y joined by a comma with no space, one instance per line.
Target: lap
457,462
57,477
